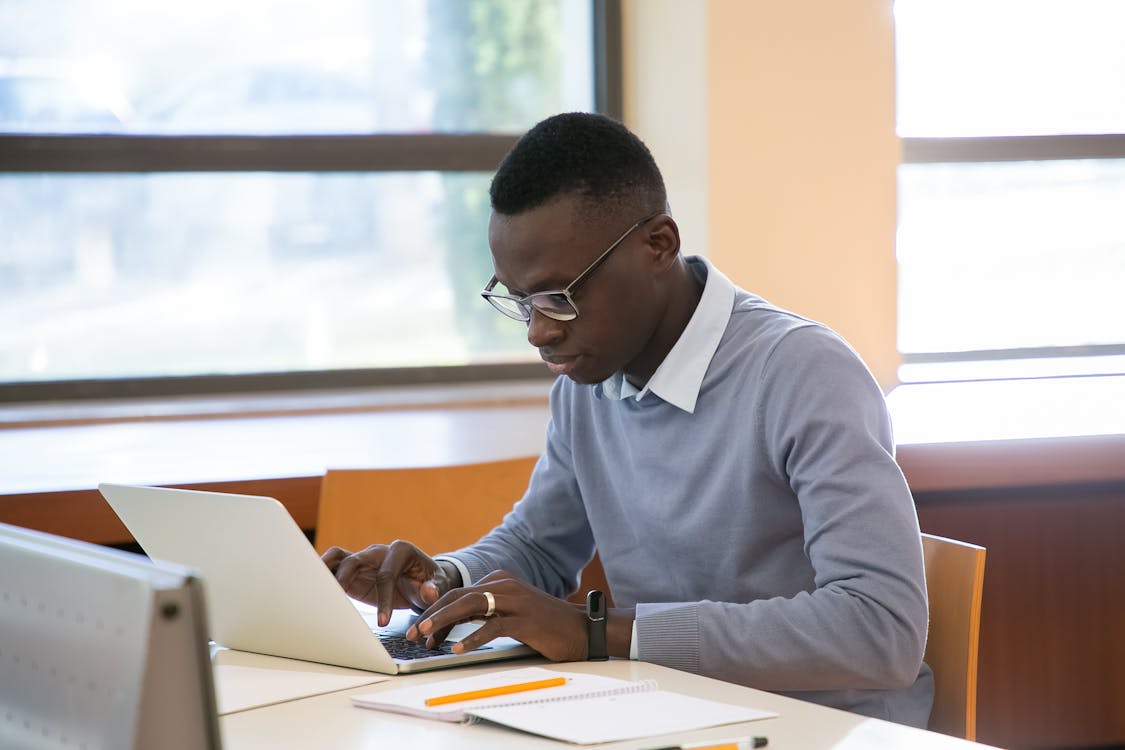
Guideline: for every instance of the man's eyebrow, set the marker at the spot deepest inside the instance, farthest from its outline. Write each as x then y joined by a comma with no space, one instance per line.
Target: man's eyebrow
508,288
548,285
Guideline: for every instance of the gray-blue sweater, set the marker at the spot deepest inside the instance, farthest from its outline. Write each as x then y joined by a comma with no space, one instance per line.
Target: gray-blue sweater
747,503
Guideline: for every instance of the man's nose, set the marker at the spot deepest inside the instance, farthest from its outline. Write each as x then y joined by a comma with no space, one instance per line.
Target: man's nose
543,331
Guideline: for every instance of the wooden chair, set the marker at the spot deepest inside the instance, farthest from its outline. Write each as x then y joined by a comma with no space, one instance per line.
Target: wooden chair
439,508
955,580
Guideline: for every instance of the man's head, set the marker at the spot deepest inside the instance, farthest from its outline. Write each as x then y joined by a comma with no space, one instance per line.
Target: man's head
573,187
588,156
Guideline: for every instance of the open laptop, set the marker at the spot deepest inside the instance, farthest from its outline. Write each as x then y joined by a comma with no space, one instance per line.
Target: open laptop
267,589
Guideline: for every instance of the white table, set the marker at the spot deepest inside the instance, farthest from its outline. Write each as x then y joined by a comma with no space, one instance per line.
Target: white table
331,721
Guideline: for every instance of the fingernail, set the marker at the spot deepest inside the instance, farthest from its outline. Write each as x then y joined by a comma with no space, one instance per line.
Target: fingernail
425,627
457,648
412,633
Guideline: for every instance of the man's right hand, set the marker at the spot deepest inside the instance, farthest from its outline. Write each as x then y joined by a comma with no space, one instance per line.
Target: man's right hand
391,576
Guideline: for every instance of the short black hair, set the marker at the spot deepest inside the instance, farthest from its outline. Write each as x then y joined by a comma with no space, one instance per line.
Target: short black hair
584,154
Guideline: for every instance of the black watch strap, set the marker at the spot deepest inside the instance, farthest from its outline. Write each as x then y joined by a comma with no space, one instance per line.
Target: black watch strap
595,626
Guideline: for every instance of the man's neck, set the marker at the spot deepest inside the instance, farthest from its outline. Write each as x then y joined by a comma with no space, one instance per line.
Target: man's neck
682,301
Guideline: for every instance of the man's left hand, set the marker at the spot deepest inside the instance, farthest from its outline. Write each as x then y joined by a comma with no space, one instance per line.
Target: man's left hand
554,627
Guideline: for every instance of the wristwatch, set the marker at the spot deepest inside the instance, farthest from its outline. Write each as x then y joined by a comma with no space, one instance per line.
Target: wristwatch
595,626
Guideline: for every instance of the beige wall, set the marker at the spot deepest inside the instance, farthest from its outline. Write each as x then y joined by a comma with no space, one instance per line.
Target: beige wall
774,122
665,93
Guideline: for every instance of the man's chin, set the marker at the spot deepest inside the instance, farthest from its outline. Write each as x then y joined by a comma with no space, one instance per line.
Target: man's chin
586,377
574,370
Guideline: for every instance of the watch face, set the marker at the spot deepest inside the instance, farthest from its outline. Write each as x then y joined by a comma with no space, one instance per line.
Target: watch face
595,626
595,605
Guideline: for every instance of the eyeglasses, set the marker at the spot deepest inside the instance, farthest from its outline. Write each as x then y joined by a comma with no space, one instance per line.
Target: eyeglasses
557,304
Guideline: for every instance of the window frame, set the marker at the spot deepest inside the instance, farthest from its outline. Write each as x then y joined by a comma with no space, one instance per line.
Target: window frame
392,152
967,150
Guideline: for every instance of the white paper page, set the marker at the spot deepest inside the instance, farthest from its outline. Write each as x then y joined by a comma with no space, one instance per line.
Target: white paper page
620,717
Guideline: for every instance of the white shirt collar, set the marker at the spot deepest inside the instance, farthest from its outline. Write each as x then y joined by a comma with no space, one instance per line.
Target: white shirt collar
679,377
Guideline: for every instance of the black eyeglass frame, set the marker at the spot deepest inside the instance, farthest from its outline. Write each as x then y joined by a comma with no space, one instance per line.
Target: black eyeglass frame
524,305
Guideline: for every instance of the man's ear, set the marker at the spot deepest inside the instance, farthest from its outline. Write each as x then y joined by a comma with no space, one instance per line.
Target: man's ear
662,239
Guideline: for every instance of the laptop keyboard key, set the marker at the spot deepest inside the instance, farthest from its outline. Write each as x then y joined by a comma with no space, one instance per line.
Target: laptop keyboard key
401,648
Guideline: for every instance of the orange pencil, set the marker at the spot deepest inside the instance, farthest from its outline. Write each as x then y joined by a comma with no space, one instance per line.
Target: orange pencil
518,687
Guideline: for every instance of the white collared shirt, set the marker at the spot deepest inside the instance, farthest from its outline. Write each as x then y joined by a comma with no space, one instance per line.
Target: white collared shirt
679,377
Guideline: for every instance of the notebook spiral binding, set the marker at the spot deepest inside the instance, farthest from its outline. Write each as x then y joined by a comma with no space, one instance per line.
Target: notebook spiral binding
640,686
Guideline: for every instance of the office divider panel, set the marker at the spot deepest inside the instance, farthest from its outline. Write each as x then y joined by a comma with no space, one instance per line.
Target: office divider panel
100,648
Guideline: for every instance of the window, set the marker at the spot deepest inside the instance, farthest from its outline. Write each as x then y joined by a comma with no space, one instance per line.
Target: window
1011,241
284,189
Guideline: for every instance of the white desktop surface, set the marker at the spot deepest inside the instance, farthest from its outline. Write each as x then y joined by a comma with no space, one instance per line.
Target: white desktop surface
245,681
331,721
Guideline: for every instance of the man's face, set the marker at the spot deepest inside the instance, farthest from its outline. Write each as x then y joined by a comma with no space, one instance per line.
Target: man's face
546,249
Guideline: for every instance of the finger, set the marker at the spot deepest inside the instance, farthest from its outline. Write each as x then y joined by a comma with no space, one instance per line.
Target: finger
492,628
456,607
428,592
333,557
418,586
493,582
354,571
402,557
412,632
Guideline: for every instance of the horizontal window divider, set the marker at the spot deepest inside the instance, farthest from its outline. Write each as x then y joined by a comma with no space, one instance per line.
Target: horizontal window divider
1091,350
477,152
62,390
1012,148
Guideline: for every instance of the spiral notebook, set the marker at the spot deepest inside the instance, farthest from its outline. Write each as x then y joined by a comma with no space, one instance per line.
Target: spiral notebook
586,709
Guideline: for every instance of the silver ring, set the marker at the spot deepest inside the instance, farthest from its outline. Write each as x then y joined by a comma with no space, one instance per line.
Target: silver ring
488,597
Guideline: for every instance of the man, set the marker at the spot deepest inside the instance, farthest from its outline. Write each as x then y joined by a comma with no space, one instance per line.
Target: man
731,462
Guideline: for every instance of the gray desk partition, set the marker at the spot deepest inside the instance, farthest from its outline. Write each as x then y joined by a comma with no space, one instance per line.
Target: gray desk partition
100,649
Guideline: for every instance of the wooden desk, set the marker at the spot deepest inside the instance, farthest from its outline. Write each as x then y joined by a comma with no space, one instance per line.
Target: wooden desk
331,721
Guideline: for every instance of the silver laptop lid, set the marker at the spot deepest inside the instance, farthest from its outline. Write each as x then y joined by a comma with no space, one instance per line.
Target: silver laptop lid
268,590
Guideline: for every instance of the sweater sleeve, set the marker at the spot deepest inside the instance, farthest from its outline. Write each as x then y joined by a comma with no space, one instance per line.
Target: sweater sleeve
546,538
822,421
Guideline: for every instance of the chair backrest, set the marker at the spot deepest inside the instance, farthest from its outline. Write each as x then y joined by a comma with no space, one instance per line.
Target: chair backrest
955,580
438,508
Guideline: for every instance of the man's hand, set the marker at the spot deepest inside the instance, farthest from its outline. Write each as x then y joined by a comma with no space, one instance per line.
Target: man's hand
391,576
553,627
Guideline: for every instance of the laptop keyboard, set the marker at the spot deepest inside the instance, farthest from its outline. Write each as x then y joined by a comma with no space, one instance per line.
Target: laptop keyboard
400,648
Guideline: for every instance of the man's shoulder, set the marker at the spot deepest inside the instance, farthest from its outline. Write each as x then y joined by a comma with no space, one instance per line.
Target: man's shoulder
756,318
747,303
765,333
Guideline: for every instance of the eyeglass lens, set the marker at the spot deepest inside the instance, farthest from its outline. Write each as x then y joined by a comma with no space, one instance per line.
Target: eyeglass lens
555,306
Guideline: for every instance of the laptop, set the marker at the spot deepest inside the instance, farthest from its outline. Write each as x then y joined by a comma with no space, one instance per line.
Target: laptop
268,591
